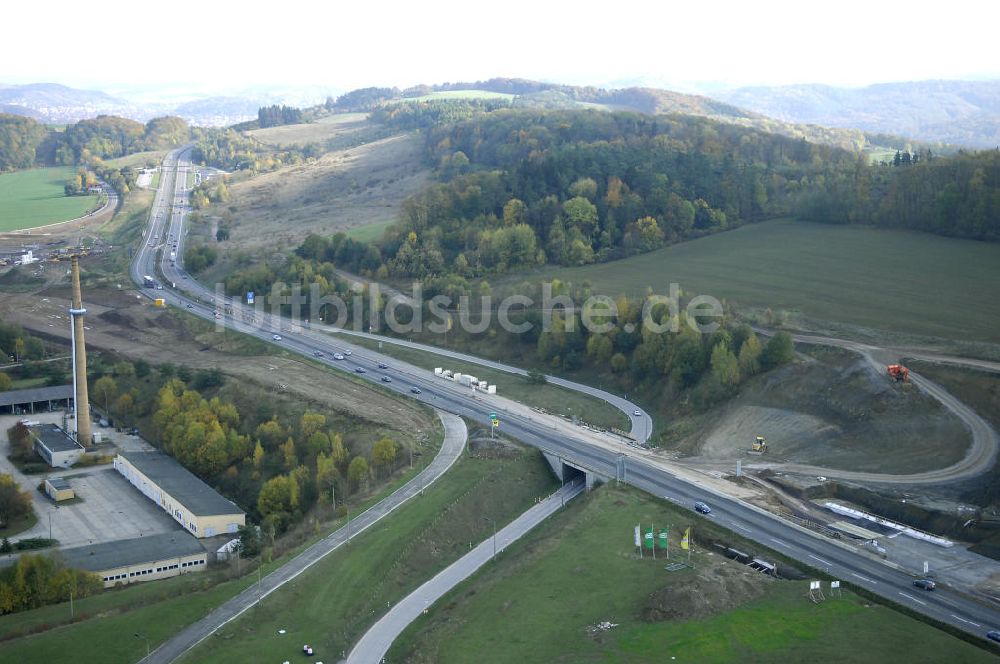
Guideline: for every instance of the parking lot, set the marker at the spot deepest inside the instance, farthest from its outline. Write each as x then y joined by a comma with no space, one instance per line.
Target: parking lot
108,507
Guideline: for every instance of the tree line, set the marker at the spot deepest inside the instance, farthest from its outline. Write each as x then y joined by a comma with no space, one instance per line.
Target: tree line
34,581
274,464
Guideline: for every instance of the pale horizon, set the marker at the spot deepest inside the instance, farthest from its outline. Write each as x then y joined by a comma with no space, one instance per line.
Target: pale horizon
222,48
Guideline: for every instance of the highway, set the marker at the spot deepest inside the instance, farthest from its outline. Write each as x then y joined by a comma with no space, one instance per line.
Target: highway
836,559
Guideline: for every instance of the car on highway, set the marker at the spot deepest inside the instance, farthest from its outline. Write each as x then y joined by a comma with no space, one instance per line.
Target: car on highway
637,413
190,306
415,390
386,379
276,337
338,356
360,370
924,584
347,352
318,353
702,508
993,635
383,365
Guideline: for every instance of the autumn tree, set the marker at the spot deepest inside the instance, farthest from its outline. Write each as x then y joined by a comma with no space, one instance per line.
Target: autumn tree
384,453
14,503
106,389
779,350
357,472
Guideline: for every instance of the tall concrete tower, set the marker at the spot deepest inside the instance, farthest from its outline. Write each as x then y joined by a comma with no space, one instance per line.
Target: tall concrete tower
81,400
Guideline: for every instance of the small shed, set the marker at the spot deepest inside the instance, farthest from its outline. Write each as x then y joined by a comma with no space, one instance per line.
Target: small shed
58,489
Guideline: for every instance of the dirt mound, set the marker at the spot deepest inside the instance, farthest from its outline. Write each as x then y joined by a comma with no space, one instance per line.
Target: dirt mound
710,591
838,412
118,318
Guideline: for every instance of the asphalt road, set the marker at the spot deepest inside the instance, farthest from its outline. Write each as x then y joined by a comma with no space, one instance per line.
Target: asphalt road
838,560
641,424
375,643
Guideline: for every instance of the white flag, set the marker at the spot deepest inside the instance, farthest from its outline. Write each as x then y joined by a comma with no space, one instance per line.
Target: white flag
638,537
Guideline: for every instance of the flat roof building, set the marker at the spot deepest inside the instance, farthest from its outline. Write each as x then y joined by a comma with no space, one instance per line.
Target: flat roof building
58,489
58,448
195,505
141,559
43,399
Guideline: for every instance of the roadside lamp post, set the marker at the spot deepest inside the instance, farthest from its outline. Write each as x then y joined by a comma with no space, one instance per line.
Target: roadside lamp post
487,518
144,638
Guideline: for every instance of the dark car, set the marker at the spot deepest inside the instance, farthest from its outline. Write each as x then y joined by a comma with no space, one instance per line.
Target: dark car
360,370
925,584
993,635
318,353
383,365
702,508
415,390
386,379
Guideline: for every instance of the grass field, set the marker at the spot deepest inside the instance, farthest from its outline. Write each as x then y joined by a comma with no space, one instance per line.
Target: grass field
313,132
895,281
331,605
138,160
550,397
542,599
370,232
35,198
458,94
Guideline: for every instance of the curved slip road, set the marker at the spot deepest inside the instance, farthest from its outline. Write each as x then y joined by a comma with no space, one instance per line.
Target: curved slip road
978,459
375,643
454,442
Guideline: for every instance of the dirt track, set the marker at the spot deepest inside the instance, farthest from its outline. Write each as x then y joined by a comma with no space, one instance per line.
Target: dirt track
979,457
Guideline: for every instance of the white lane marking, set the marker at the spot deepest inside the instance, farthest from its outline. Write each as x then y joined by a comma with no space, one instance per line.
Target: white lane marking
974,624
742,527
778,542
825,562
864,578
913,598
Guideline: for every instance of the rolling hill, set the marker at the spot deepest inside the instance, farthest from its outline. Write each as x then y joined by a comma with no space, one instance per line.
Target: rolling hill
958,112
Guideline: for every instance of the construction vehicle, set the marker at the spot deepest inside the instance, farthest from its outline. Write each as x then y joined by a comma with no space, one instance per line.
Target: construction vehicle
759,446
899,373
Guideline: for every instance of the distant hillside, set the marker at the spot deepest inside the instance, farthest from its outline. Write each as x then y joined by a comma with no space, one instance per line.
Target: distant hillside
957,112
56,103
652,101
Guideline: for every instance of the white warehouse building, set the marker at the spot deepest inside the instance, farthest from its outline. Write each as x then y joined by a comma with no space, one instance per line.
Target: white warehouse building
198,507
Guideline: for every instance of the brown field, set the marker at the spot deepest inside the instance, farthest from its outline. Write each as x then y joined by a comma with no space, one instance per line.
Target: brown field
320,131
342,190
128,324
834,411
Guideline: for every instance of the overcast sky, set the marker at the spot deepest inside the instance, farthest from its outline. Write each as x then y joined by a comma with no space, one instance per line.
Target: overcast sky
223,45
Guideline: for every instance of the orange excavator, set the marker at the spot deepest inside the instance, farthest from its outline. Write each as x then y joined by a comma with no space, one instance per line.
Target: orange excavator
899,373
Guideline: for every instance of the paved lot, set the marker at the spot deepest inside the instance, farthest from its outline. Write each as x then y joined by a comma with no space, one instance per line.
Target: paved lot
109,507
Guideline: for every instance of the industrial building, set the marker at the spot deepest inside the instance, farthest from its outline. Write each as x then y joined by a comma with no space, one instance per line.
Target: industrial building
55,445
140,559
195,505
40,399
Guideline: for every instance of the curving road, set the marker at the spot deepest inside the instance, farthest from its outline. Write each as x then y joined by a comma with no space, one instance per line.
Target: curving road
641,423
192,635
838,560
375,643
985,443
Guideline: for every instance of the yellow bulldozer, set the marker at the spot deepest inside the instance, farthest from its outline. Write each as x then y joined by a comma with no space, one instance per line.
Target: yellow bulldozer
759,446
